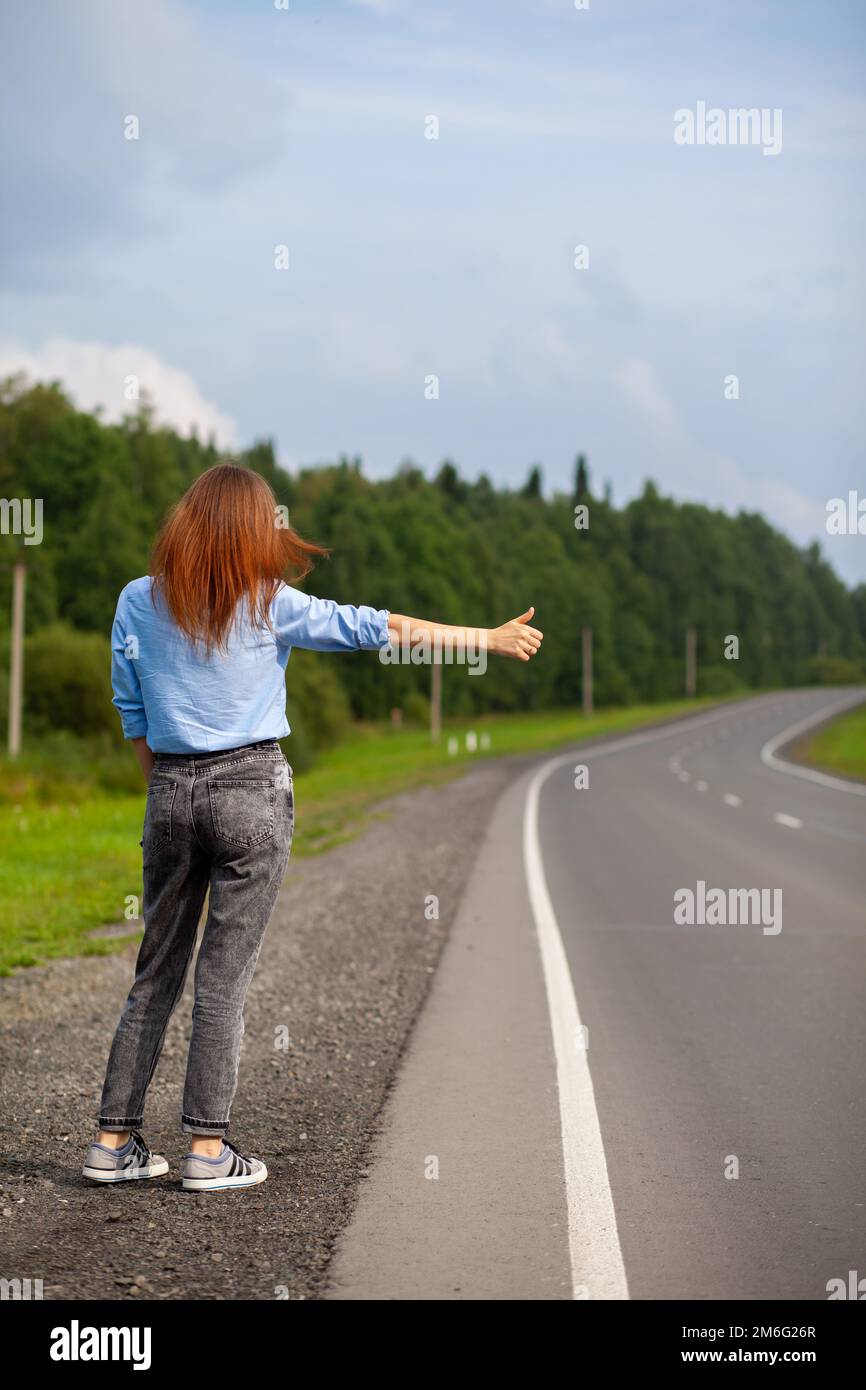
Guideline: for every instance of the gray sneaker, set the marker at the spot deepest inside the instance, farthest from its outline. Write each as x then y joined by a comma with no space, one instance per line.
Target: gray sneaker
134,1160
229,1169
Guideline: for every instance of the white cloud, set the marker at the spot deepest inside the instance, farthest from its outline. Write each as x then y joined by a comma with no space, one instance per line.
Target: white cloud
379,7
631,126
208,121
637,380
96,374
692,470
801,517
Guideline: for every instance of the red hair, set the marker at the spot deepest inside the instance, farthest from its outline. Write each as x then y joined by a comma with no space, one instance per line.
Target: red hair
221,545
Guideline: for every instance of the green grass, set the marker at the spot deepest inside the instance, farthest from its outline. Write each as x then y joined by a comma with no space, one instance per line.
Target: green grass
840,747
68,866
66,869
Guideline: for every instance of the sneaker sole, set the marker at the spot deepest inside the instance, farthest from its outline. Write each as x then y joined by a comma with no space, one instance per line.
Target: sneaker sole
153,1170
223,1184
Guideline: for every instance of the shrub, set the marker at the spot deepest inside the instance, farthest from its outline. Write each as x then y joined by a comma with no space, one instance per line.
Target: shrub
67,682
416,709
718,680
834,670
57,767
317,704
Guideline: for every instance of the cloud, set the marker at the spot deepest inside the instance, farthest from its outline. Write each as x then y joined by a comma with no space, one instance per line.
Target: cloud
383,8
206,122
631,126
691,469
94,374
637,380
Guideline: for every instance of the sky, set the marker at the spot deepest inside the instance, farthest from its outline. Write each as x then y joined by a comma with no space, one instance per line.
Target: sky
412,258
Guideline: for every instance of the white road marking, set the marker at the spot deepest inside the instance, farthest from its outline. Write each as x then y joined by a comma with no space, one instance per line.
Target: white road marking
593,1239
768,752
731,800
701,786
685,776
791,821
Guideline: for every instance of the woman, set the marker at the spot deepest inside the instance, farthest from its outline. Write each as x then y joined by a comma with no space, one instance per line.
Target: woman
199,653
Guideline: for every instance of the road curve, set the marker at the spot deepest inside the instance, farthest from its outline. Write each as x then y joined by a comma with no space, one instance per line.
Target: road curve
599,1101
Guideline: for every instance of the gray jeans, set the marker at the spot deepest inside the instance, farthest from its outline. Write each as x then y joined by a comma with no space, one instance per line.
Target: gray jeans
215,821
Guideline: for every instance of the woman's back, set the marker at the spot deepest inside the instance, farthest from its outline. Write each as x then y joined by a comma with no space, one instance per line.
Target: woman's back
187,698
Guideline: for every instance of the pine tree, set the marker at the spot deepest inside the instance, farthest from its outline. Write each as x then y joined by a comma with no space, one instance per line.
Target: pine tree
532,487
581,480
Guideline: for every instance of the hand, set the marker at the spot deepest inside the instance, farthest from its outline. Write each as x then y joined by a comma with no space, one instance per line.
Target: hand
516,639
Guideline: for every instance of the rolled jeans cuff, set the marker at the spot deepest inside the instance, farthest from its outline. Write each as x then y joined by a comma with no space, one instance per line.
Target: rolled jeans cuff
208,1129
113,1125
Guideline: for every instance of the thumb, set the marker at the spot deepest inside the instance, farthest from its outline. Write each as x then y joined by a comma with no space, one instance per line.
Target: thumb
524,617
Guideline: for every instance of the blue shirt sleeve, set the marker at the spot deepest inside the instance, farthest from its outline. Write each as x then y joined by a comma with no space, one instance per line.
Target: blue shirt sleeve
322,625
124,677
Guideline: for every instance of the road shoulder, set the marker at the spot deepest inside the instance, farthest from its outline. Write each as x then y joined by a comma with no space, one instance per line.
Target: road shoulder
466,1196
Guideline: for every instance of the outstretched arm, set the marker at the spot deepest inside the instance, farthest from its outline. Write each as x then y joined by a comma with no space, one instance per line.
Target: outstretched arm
320,624
515,638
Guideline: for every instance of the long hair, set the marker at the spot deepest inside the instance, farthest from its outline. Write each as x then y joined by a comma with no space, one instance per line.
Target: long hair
221,546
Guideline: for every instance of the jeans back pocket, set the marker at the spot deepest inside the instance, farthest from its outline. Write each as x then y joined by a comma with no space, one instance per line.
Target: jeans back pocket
242,810
157,816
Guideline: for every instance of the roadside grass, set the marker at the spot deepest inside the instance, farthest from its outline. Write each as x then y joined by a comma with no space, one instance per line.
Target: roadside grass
68,866
840,747
66,869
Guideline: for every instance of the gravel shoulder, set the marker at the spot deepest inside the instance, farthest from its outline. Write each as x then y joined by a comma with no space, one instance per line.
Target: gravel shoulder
345,968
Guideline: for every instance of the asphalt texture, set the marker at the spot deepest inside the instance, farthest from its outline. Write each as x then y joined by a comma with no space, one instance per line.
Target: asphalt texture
726,1061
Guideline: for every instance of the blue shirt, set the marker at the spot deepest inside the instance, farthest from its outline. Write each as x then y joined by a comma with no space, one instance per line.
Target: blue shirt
184,701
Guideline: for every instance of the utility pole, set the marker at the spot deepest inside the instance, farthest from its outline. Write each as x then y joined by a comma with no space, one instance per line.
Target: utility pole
435,700
16,674
586,670
691,663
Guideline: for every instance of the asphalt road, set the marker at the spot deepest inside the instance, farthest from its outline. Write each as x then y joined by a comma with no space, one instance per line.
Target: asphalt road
598,1101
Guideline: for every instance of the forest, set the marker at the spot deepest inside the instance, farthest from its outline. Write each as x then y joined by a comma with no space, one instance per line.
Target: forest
443,547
